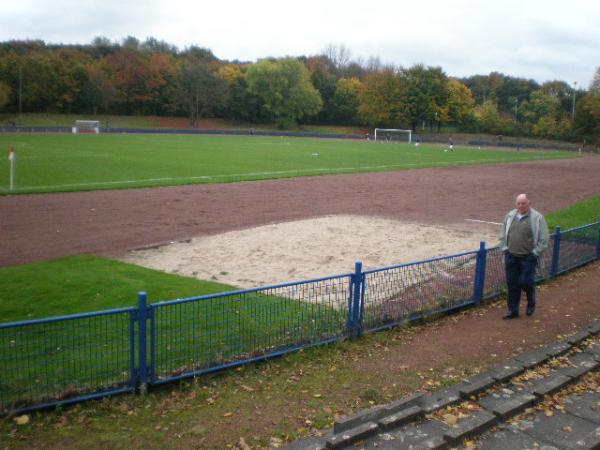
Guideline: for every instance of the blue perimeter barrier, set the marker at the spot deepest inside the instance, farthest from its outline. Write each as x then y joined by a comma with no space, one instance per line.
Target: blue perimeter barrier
68,359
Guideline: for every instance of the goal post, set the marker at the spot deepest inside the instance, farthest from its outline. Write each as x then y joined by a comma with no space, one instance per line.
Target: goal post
86,126
393,134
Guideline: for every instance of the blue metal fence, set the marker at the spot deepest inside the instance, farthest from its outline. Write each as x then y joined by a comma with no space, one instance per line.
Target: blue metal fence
202,334
394,294
67,359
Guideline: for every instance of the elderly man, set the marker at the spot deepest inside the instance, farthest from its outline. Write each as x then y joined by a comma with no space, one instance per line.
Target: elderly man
524,238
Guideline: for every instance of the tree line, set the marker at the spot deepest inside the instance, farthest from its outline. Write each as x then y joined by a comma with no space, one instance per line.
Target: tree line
156,78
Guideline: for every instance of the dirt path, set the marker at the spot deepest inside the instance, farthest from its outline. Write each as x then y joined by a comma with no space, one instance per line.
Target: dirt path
280,401
40,227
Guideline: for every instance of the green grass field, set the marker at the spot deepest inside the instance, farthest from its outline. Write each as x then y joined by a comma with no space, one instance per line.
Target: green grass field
64,162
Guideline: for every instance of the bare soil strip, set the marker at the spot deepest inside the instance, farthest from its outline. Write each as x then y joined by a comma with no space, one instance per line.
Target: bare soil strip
46,226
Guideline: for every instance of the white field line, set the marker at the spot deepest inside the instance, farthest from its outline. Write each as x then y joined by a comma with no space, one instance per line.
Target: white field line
483,221
247,174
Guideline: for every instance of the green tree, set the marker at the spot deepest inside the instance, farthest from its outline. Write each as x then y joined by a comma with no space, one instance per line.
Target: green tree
200,92
541,105
587,114
240,103
425,95
71,75
284,90
4,94
588,121
346,100
563,92
380,100
488,117
324,81
98,92
460,104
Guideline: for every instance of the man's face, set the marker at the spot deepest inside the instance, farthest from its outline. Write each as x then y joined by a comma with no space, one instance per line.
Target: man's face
522,205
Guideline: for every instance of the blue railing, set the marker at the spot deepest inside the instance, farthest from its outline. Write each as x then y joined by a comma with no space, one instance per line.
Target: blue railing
68,359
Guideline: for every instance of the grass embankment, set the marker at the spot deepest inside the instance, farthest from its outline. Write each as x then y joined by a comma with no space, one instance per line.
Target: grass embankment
63,162
68,120
145,122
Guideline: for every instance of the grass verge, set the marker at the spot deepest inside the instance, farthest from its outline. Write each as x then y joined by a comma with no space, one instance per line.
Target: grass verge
583,213
79,284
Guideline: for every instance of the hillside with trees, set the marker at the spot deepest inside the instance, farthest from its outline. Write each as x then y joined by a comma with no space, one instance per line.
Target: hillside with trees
156,78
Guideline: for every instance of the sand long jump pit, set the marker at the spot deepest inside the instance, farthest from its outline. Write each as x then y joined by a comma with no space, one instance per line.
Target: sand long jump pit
310,248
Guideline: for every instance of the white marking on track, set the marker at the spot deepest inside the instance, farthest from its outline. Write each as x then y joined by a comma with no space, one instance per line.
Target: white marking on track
482,221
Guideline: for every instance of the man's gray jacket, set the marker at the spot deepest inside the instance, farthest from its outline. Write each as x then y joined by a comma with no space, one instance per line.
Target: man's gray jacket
539,228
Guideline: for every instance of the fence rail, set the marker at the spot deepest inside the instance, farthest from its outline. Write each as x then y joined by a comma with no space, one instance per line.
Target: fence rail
68,359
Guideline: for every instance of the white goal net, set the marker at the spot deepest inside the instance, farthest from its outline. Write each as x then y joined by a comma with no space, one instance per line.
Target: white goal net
86,126
393,135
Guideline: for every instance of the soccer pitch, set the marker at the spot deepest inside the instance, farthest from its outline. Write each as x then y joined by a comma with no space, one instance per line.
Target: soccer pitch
65,162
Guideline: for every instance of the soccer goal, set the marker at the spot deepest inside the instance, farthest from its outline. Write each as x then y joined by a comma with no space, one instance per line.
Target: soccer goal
393,134
86,126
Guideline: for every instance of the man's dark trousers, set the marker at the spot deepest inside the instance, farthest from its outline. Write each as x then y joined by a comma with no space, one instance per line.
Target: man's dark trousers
520,274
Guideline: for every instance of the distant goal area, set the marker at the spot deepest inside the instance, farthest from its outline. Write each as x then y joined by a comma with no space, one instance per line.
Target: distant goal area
393,135
86,126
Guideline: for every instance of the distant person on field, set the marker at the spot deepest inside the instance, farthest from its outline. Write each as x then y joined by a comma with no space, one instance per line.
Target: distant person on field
450,144
417,142
523,238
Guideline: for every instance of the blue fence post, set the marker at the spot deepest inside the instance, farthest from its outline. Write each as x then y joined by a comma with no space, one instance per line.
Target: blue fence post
555,252
479,282
142,361
354,322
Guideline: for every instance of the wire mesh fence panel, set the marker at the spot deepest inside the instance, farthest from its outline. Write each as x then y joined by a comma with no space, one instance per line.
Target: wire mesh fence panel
196,335
57,360
578,246
544,267
396,293
495,276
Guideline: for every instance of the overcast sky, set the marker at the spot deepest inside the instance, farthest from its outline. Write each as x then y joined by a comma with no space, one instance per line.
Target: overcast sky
539,39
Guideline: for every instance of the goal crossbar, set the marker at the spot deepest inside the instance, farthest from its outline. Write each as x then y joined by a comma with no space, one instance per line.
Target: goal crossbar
384,133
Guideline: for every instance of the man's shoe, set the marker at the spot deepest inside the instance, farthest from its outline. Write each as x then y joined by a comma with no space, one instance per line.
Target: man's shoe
510,316
530,310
